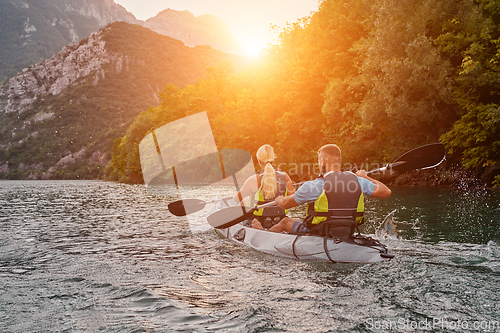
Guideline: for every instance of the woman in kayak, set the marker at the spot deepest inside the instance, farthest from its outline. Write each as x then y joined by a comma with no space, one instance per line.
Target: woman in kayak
264,187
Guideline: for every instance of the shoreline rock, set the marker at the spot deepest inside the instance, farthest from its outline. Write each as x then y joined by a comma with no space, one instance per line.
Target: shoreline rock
447,175
444,176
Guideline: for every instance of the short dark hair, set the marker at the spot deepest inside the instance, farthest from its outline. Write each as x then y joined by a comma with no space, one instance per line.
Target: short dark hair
331,150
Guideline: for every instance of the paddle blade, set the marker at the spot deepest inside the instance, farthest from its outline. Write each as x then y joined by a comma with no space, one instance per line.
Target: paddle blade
228,217
423,157
186,206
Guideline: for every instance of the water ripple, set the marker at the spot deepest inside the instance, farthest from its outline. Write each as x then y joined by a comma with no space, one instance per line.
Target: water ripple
97,256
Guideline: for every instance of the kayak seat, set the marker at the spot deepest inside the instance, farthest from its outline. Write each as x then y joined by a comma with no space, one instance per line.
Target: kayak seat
338,228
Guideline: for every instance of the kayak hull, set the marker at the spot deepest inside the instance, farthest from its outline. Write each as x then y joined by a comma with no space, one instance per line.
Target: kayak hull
360,249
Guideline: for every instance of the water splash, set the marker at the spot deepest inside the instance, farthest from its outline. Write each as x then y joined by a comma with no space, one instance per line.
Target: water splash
387,229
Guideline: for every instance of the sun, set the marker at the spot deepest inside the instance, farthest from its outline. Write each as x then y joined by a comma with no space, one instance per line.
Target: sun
253,48
253,44
253,38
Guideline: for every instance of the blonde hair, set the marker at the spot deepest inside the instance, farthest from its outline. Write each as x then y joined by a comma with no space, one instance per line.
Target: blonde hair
268,186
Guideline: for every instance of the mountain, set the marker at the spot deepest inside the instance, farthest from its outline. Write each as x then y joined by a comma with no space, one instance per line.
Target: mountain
201,30
60,117
34,30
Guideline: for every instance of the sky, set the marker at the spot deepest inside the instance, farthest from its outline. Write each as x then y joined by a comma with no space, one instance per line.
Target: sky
249,20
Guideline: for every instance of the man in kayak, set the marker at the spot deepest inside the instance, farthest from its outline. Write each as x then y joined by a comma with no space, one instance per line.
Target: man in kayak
264,187
335,198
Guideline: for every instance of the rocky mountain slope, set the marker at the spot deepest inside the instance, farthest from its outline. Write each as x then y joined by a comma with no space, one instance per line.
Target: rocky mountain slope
59,118
35,30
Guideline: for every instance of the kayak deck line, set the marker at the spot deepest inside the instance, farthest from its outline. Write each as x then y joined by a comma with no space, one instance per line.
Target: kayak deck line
358,249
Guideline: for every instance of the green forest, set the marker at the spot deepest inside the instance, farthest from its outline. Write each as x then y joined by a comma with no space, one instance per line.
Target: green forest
375,77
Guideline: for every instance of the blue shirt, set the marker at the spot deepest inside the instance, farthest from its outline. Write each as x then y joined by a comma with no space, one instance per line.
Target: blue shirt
311,190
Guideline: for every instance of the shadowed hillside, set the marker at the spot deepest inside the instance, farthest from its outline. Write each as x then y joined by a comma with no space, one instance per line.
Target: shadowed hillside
32,31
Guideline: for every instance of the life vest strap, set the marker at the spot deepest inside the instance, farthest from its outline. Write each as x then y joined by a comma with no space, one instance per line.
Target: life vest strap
329,214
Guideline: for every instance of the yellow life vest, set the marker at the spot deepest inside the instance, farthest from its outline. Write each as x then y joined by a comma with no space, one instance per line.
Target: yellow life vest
341,198
258,198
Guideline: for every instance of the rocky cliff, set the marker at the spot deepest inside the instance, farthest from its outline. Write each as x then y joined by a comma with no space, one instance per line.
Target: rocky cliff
52,76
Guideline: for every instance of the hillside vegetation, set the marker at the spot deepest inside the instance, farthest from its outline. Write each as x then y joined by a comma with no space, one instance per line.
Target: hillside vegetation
376,77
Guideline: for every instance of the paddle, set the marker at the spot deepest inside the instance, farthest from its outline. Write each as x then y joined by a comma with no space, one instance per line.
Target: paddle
423,157
228,217
188,206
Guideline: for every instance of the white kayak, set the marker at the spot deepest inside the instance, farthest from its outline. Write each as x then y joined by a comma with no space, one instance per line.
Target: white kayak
359,249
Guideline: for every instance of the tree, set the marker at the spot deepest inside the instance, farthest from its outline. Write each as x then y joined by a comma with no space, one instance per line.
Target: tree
402,94
472,41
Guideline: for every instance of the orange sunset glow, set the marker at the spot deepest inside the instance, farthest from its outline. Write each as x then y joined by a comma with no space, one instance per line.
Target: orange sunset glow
249,21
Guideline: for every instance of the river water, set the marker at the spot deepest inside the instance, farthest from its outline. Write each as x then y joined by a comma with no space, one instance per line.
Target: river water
86,256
